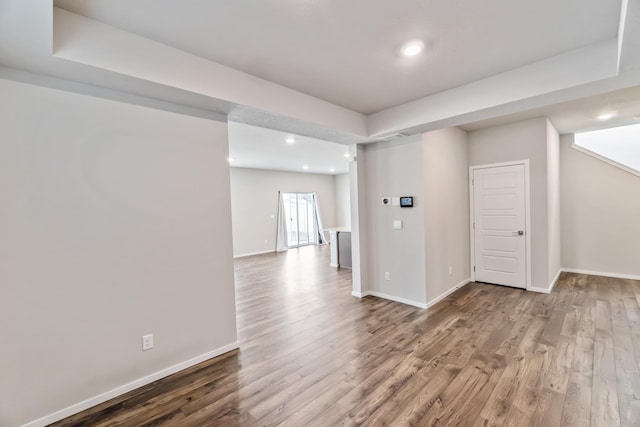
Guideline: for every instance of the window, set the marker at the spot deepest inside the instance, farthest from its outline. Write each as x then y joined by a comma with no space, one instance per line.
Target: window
619,146
301,227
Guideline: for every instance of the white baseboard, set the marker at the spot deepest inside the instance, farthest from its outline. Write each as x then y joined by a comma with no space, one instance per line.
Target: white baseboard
601,273
446,294
555,280
408,301
539,290
551,285
254,253
93,401
394,298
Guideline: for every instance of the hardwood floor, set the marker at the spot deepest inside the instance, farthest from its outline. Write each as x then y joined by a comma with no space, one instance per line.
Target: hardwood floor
313,355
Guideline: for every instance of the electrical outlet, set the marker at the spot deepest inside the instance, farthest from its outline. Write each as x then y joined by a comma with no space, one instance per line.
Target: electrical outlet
147,342
387,276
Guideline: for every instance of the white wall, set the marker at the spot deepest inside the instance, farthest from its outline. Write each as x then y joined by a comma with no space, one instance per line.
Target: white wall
446,210
520,141
115,223
553,203
359,220
343,200
254,204
600,212
395,169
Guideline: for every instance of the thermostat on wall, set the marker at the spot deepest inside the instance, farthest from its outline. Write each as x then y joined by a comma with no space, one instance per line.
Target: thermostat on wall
406,201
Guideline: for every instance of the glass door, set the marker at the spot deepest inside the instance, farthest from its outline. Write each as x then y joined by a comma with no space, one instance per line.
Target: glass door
301,228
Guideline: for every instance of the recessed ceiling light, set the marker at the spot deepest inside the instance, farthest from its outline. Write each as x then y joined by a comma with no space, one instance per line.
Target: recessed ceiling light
412,48
305,167
605,116
346,155
332,170
229,159
290,140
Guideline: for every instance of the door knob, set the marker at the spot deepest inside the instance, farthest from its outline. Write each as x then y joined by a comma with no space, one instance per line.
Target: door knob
518,233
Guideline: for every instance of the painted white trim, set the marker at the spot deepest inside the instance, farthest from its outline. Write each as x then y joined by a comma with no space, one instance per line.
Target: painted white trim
397,299
270,251
527,226
472,230
601,273
539,290
389,297
527,195
555,280
411,302
499,165
93,401
551,285
447,293
334,265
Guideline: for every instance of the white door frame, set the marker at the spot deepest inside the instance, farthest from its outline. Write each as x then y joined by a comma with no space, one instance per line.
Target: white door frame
527,232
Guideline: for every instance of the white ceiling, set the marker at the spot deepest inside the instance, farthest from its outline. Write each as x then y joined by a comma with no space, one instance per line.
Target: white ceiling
260,148
343,51
185,56
579,115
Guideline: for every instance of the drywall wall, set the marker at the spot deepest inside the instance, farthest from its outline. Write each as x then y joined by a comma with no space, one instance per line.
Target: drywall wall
446,210
359,220
115,222
343,200
520,141
553,203
600,211
254,205
395,169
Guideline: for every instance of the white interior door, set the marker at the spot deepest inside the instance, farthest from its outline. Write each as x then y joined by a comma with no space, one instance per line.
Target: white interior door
499,215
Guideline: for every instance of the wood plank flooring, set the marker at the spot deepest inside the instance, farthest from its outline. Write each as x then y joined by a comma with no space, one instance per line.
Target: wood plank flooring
313,355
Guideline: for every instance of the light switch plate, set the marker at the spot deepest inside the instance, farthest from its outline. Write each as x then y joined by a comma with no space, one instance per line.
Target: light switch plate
395,201
397,224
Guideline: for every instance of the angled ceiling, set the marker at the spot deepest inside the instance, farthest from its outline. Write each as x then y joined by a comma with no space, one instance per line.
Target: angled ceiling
328,69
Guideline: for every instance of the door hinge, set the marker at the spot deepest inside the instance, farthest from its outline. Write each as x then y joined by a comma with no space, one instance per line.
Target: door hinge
474,268
474,225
